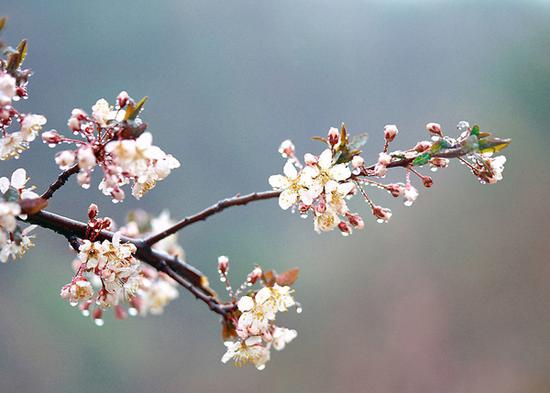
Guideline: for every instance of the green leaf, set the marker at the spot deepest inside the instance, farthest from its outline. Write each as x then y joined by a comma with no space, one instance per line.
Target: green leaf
422,159
133,110
22,49
475,130
493,144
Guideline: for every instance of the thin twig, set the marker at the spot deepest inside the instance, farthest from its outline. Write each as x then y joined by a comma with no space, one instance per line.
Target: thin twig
61,180
216,208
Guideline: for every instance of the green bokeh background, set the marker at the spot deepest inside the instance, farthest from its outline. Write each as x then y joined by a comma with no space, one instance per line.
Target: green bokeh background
451,296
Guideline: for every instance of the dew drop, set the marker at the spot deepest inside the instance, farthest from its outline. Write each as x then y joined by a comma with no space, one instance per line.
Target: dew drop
99,322
86,313
132,311
299,310
261,367
73,304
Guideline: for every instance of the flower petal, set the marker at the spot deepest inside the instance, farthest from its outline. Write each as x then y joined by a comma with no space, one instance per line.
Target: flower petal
19,178
279,182
287,199
325,159
290,170
340,172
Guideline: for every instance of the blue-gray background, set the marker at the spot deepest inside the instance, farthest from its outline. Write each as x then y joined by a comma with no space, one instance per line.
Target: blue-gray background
452,296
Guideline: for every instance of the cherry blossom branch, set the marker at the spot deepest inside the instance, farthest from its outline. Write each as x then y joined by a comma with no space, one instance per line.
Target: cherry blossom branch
259,196
186,275
216,208
60,181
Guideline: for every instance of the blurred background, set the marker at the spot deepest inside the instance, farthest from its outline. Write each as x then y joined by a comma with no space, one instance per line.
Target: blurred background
450,296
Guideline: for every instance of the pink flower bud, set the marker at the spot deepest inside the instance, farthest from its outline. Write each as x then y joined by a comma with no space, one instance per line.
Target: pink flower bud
117,194
427,181
255,275
344,228
64,159
355,220
287,149
357,162
92,211
333,136
422,146
396,190
122,99
384,159
382,214
390,132
120,313
223,264
434,129
440,162
51,137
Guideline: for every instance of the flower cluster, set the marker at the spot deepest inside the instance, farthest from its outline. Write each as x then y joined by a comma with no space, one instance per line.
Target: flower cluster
14,239
109,265
27,125
107,275
253,323
323,184
113,139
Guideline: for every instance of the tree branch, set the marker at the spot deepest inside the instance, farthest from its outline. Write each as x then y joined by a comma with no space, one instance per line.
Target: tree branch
61,180
216,208
186,275
259,196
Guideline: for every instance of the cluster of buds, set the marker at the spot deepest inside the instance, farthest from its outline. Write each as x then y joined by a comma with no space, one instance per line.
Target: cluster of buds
13,82
114,139
14,239
252,324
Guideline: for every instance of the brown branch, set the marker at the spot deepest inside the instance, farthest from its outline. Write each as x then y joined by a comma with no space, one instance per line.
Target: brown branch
216,208
60,181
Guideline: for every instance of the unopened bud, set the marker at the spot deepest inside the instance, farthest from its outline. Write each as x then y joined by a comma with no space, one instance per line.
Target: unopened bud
122,99
357,162
333,136
223,264
344,228
382,214
92,211
434,129
390,132
427,181
286,149
51,137
440,162
422,146
255,275
396,190
356,221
